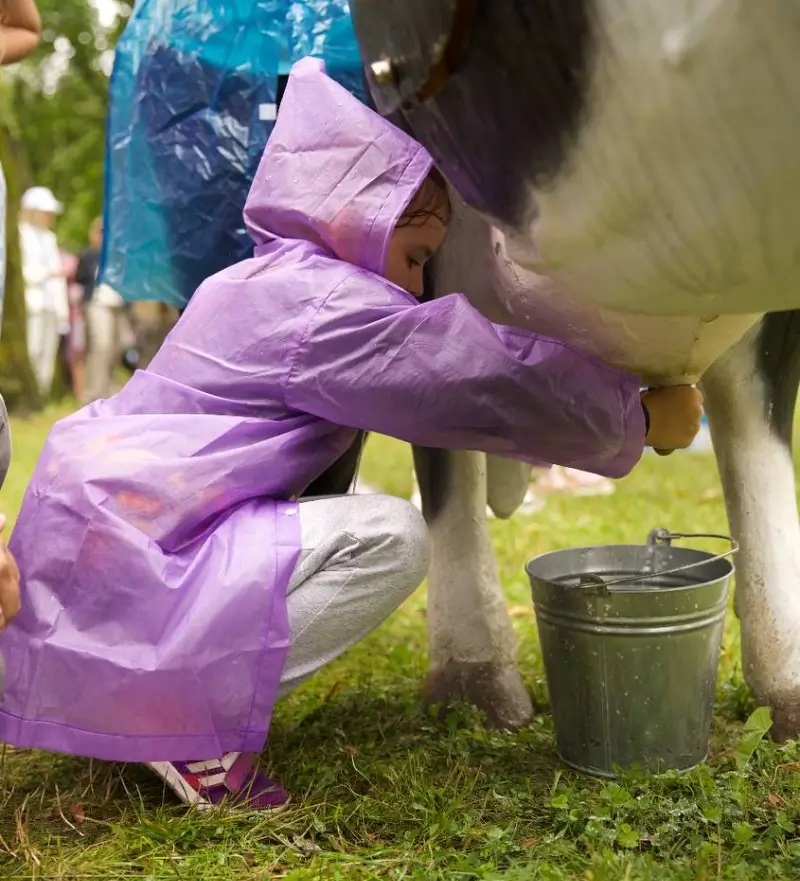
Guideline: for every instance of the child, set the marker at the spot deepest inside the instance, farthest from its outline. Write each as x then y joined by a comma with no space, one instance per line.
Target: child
174,586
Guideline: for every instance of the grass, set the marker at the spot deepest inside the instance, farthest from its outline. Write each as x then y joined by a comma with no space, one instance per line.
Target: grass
383,788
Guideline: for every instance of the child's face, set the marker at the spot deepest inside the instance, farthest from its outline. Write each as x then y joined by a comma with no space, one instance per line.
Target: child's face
410,248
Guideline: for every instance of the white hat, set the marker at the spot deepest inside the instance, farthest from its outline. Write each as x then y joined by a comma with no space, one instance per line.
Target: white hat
41,199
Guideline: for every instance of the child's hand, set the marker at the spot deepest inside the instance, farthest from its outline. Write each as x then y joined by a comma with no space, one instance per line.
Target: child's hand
675,414
9,582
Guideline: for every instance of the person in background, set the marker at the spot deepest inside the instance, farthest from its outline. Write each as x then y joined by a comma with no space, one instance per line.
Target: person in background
20,29
85,282
106,320
45,286
89,261
76,338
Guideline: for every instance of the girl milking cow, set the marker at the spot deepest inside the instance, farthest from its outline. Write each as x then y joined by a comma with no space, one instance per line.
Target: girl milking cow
176,578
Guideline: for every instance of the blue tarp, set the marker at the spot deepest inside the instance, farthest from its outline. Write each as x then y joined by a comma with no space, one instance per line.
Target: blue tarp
192,102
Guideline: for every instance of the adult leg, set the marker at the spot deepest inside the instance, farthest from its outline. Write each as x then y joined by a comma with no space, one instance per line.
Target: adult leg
35,333
115,350
51,340
152,321
100,321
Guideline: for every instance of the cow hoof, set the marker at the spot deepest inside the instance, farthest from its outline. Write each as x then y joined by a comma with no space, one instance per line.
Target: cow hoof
785,720
499,692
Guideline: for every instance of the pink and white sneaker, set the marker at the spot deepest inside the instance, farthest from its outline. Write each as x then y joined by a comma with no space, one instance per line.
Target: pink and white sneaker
233,780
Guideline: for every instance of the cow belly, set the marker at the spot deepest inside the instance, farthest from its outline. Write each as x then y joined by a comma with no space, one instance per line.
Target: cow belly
662,350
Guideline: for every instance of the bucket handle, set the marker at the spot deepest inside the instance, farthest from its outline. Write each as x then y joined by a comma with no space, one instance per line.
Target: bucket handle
657,536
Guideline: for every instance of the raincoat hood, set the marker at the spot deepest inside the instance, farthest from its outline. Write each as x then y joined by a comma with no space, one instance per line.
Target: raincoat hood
342,187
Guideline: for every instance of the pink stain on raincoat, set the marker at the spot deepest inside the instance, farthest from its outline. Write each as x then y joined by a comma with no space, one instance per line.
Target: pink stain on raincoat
158,535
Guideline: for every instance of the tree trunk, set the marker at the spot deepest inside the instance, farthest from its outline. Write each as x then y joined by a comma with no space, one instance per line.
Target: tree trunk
17,382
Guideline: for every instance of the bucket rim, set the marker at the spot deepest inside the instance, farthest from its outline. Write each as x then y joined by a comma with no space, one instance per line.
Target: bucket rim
712,558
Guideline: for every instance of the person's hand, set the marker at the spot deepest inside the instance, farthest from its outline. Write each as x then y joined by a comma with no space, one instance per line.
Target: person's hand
675,415
20,29
9,582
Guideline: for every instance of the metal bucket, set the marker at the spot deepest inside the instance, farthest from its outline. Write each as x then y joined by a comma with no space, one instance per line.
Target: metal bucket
630,637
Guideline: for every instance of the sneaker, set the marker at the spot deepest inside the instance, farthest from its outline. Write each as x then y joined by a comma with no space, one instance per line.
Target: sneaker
233,780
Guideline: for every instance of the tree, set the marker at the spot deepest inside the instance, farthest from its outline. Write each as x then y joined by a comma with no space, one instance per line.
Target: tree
60,102
17,381
53,111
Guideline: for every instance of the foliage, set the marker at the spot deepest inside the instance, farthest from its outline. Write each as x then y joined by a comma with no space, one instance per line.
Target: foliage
16,376
385,789
53,108
60,102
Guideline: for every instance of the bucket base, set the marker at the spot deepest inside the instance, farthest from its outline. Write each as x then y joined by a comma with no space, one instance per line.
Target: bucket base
610,775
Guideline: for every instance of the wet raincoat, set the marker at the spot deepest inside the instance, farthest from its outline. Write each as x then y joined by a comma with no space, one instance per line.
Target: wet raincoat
158,534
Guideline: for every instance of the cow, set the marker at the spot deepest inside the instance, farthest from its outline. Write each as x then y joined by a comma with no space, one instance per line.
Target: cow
627,175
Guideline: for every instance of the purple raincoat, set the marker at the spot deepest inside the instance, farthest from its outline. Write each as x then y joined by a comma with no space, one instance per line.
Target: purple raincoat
158,533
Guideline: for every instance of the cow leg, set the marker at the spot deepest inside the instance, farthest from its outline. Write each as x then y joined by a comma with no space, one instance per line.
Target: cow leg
750,398
473,654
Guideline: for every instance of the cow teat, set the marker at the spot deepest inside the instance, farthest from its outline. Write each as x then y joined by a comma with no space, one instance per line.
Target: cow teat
680,42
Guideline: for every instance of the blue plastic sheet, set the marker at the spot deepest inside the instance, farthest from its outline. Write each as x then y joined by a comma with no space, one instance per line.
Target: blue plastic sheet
193,99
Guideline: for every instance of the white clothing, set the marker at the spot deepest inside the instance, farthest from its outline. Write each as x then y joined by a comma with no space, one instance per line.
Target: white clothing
41,258
105,295
43,339
41,199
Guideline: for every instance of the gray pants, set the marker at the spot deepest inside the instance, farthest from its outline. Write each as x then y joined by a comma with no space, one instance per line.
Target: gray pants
362,556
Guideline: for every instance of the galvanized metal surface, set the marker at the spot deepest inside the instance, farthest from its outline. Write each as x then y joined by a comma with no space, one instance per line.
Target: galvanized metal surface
631,652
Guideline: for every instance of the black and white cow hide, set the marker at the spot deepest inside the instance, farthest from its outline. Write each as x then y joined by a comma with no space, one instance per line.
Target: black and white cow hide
622,160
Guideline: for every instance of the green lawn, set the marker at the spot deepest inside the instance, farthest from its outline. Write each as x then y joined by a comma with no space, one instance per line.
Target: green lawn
385,789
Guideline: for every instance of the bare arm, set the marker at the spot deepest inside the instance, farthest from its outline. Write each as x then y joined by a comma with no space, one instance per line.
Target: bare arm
20,29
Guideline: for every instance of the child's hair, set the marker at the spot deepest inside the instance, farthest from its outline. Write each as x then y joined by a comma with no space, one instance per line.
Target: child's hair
431,200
